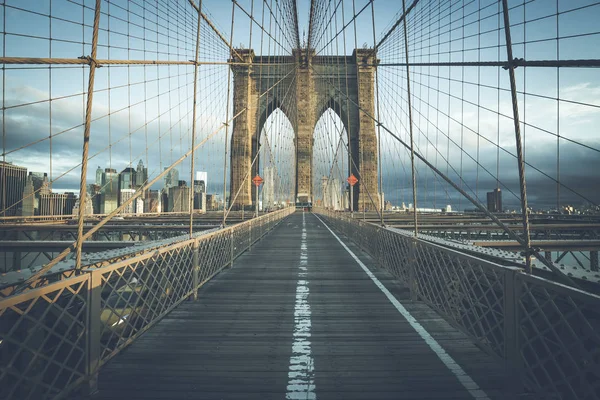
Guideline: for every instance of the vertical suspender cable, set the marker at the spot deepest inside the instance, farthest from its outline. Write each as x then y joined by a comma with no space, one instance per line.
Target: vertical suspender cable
410,124
86,135
227,121
381,205
192,185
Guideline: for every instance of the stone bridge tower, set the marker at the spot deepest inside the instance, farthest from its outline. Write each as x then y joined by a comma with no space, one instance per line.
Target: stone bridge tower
304,86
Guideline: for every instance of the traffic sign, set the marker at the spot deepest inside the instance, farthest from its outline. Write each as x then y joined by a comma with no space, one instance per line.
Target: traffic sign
257,180
352,180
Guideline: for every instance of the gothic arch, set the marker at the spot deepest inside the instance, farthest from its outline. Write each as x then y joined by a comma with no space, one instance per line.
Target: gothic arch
313,95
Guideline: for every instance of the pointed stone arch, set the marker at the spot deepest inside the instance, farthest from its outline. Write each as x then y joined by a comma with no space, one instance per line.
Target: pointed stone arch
313,84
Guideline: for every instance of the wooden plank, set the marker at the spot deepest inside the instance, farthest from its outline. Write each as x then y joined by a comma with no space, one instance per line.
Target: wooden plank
236,340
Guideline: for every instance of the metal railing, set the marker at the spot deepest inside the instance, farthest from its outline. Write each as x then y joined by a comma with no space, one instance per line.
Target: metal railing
57,336
546,333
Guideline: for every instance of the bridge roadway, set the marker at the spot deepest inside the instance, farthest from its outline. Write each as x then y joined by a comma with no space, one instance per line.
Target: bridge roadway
297,317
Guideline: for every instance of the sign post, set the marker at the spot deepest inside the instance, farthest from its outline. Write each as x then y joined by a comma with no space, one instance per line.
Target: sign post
257,180
352,180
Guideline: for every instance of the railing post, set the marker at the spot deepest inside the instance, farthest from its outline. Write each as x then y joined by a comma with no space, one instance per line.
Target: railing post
250,235
195,268
512,292
231,241
94,331
412,269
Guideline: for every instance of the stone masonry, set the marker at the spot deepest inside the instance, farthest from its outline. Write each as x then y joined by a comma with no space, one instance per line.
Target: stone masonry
304,86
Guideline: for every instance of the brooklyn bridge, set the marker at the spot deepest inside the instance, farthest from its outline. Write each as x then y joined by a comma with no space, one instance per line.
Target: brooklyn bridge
304,200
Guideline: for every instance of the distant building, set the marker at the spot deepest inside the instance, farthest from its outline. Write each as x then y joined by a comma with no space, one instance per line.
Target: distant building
124,195
387,206
164,199
139,206
95,193
141,175
99,174
171,179
69,203
332,193
29,198
152,201
89,209
127,179
211,202
109,197
12,185
52,203
199,195
179,198
494,200
202,176
268,189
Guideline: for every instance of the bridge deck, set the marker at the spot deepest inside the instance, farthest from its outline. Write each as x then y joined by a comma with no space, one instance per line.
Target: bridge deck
297,317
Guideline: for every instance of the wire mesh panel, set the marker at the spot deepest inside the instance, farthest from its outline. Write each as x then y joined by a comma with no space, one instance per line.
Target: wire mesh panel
136,294
214,253
547,333
43,340
467,291
55,336
559,339
395,254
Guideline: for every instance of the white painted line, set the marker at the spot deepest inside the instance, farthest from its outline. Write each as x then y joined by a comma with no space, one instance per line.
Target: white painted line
468,383
301,382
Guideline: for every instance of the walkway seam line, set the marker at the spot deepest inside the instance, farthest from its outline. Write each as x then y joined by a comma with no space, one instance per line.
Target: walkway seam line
467,382
301,375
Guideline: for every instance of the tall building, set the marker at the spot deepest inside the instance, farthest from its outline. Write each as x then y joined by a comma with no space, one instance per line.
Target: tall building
332,193
89,209
12,185
171,179
211,202
494,200
52,204
199,195
69,203
109,197
139,206
202,176
29,198
152,201
99,173
95,193
141,175
124,195
127,179
268,189
179,198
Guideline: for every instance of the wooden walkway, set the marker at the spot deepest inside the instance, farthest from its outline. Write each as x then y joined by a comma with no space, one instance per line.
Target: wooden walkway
298,318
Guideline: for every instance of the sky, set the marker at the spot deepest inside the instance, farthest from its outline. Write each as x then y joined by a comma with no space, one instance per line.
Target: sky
144,112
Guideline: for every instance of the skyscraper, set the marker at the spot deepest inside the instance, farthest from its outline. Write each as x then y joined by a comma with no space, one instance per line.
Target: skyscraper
171,179
141,175
127,179
109,191
268,189
179,198
99,176
52,204
12,185
29,198
124,195
494,200
202,176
